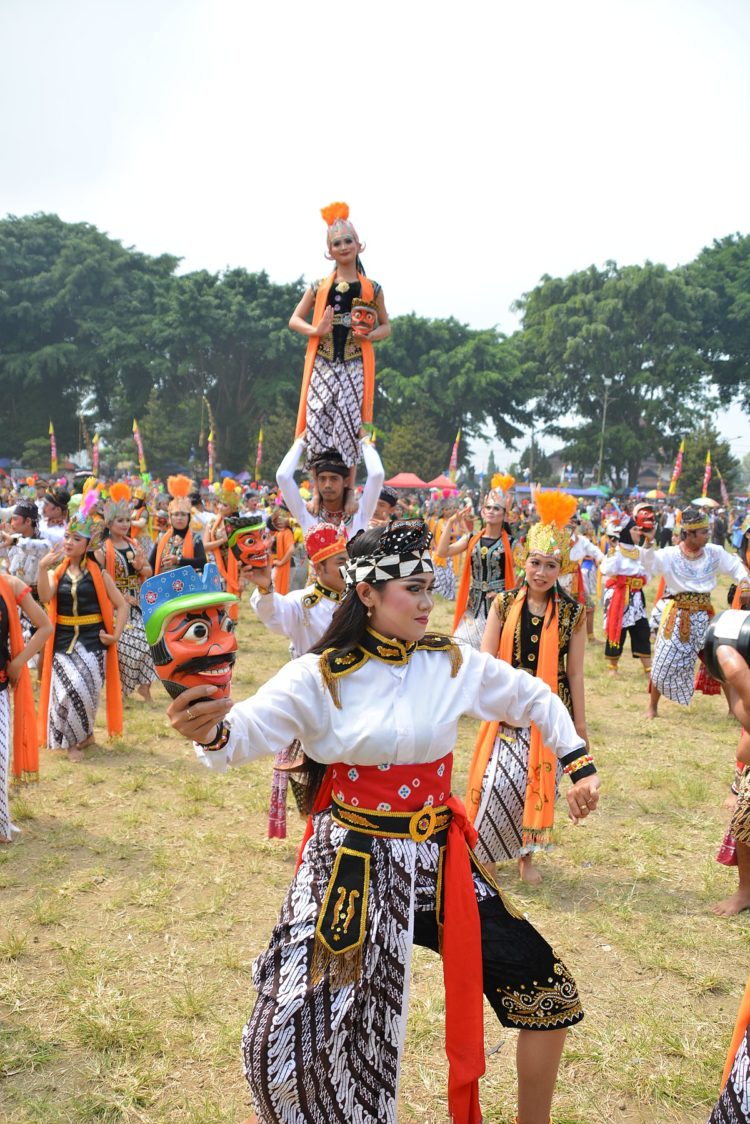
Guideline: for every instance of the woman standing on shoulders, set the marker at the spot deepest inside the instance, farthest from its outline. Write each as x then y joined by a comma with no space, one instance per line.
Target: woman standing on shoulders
488,567
81,601
514,777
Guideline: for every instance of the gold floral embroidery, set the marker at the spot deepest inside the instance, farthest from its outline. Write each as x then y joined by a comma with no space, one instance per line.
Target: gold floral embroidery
543,1005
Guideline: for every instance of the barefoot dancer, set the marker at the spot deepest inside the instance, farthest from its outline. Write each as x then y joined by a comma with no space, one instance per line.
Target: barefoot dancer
348,316
388,863
513,777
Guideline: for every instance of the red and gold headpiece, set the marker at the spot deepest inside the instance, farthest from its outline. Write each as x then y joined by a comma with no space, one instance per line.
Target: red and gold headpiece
550,536
323,541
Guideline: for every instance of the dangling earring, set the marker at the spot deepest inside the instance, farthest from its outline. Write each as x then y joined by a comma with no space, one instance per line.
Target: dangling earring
369,613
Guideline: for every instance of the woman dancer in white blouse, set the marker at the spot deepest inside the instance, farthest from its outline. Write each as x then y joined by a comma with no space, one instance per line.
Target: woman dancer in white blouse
388,861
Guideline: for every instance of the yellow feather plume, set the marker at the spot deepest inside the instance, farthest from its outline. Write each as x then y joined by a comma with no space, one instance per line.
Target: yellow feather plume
179,486
503,481
334,211
555,507
119,492
88,484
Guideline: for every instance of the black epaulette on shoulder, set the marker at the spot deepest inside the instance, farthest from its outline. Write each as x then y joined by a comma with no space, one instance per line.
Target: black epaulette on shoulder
443,644
333,666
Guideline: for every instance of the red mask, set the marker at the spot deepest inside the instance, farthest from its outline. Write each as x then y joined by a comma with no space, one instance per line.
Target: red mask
364,318
200,648
249,541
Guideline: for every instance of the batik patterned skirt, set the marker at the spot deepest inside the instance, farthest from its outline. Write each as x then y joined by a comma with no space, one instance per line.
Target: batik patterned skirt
733,1106
499,819
134,655
673,670
471,627
334,407
7,829
317,1054
77,681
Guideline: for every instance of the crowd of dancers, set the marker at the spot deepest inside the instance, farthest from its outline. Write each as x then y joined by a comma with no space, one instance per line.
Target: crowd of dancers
363,718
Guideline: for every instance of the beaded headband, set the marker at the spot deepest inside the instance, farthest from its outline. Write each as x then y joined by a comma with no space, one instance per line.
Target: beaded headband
401,552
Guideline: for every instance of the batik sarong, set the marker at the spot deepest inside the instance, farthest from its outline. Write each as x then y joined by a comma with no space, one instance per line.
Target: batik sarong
134,655
7,829
315,1054
499,819
77,681
675,653
334,407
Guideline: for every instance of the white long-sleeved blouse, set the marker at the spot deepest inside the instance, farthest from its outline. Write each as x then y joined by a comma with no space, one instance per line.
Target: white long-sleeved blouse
391,713
693,575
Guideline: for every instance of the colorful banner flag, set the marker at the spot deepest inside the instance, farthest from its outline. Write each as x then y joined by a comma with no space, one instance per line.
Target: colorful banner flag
52,450
723,489
139,447
706,474
453,466
211,457
677,468
259,455
95,455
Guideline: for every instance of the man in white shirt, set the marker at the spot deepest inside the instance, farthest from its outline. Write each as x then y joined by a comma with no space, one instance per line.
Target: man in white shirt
690,570
330,475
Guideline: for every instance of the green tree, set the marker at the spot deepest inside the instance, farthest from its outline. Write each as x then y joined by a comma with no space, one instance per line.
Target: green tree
446,372
630,334
76,326
724,268
414,445
227,337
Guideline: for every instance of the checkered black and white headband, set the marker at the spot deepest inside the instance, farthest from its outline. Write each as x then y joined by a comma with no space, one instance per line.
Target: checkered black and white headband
401,553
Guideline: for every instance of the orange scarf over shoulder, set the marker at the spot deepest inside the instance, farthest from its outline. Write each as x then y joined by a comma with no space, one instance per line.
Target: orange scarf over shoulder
462,595
187,550
368,353
25,740
111,663
539,806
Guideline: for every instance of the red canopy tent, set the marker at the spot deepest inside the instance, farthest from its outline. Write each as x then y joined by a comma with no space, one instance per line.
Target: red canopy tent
441,481
405,480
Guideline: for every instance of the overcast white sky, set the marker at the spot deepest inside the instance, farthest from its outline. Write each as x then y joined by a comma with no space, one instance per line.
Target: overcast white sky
479,145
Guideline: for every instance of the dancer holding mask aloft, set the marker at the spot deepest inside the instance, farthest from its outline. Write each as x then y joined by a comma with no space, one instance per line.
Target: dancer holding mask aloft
348,317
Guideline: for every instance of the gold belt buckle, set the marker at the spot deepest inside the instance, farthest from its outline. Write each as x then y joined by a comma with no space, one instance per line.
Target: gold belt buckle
422,824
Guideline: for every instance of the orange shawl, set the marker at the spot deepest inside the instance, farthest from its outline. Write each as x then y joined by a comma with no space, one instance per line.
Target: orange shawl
187,551
111,663
283,540
462,596
368,354
229,572
25,741
109,557
539,807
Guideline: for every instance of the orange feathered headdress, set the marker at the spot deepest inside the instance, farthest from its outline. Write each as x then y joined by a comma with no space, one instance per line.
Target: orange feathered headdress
503,481
550,535
231,492
179,488
337,214
118,505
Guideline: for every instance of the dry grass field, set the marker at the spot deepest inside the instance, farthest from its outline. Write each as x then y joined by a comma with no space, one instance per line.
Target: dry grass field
132,906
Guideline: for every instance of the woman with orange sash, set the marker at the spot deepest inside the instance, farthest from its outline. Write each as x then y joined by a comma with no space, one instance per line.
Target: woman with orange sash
178,545
88,614
19,737
488,566
348,317
388,861
514,777
124,559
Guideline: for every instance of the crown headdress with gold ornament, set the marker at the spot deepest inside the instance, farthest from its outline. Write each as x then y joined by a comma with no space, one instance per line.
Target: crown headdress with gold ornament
118,504
550,536
179,488
500,486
